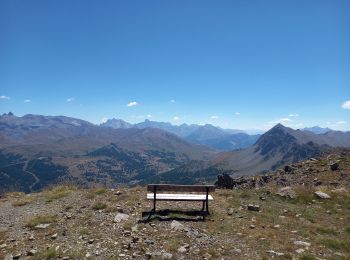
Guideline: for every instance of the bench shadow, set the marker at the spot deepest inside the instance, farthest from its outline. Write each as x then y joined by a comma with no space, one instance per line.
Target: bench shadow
168,215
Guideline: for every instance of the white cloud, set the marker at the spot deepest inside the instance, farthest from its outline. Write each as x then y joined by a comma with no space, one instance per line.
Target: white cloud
71,99
341,123
293,115
4,98
172,101
176,118
237,113
104,120
346,105
27,101
149,116
132,104
214,117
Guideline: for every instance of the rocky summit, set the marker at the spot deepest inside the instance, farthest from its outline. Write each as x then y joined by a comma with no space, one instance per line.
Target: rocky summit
299,212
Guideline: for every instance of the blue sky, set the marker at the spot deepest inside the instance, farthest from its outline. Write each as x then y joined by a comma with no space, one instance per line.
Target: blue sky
236,64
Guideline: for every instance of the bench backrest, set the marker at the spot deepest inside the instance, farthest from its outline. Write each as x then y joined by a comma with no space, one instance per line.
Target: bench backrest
180,188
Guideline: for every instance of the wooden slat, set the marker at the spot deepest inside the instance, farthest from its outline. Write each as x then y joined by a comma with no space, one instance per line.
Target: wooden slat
181,188
179,197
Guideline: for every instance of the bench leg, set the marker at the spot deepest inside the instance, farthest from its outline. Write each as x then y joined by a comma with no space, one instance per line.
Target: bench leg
207,206
154,206
203,207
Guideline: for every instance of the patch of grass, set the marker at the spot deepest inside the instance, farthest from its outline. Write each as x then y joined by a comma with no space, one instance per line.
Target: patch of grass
58,192
172,244
23,201
93,192
84,231
47,254
304,194
3,236
347,230
343,245
76,254
99,206
100,191
44,219
326,231
15,194
307,257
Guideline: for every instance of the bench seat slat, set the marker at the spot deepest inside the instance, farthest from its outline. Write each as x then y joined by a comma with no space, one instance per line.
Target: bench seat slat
179,197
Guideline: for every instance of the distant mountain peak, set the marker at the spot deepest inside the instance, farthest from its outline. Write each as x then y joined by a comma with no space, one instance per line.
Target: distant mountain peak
317,129
116,123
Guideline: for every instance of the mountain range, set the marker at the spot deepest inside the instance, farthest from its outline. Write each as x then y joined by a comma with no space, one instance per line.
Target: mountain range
209,135
37,151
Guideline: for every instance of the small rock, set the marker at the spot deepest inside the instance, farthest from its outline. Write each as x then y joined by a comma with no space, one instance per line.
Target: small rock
207,256
252,226
177,226
322,195
274,253
8,257
167,255
17,256
120,217
182,250
253,207
276,226
3,246
31,237
237,250
302,243
134,228
300,250
88,255
31,252
334,166
230,211
91,241
54,236
287,192
42,226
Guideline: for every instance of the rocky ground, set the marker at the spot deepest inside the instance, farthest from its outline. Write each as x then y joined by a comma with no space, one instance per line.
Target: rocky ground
304,213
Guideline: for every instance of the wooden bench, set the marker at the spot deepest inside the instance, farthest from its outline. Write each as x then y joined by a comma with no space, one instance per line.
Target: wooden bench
180,193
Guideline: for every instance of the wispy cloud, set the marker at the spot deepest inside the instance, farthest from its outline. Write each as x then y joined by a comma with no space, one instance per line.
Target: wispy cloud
341,123
27,101
71,99
176,118
104,120
172,101
4,98
149,116
346,105
214,117
132,104
237,113
293,115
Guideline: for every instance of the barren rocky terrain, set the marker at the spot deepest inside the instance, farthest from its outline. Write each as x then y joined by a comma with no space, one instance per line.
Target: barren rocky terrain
304,213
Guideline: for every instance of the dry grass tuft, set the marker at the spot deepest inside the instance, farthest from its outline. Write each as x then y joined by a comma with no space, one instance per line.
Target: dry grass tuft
99,206
44,219
23,201
58,192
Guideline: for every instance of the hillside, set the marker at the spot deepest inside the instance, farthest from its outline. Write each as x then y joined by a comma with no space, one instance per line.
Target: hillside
276,148
38,151
293,223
